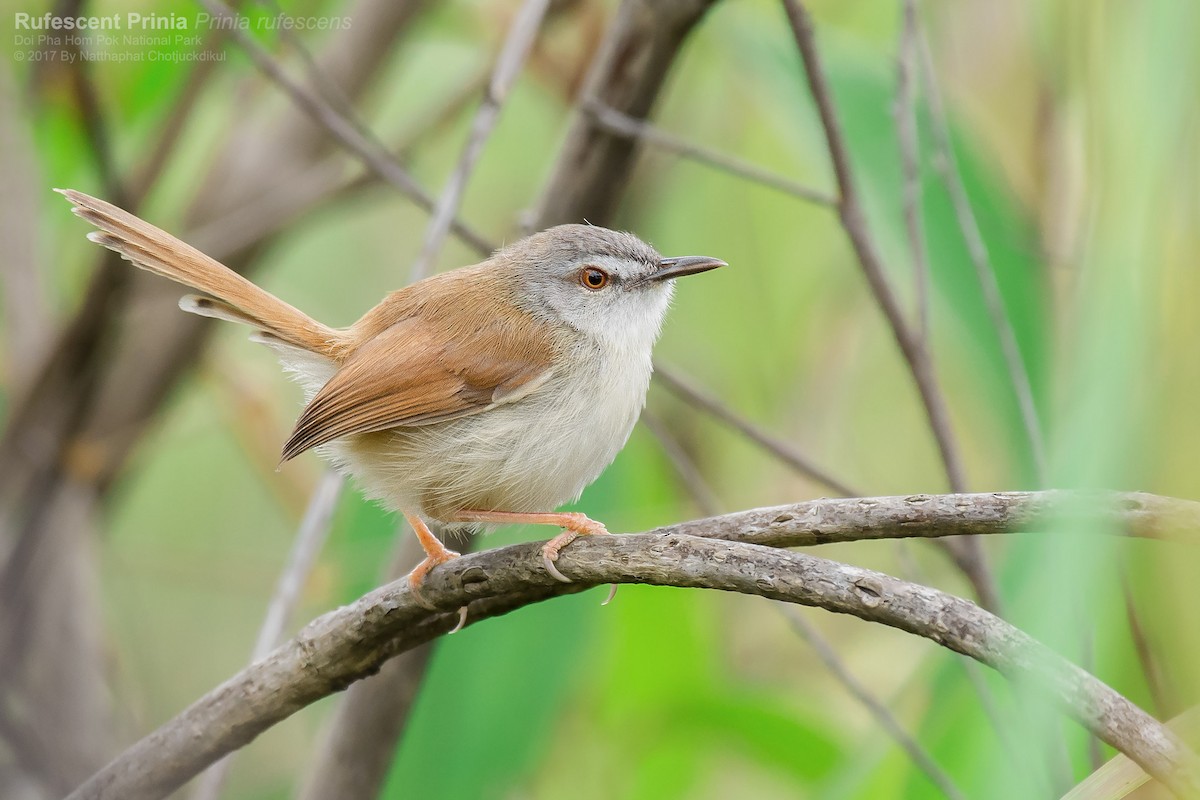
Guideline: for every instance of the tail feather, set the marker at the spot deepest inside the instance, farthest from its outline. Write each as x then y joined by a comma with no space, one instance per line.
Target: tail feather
210,307
159,252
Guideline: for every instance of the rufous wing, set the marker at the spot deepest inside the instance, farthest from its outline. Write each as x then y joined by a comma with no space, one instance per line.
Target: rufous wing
415,372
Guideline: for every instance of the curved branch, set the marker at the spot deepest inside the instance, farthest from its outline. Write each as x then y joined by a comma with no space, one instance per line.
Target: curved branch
354,641
936,516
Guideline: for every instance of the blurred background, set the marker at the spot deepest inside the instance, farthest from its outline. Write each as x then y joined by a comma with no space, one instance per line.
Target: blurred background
145,523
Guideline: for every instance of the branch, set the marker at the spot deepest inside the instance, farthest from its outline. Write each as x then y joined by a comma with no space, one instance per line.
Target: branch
785,452
825,651
686,468
882,714
517,45
854,221
347,132
930,516
624,125
594,164
360,742
910,159
310,538
27,328
967,555
354,641
947,165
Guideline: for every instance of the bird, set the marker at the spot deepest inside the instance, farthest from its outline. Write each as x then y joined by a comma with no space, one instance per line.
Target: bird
486,395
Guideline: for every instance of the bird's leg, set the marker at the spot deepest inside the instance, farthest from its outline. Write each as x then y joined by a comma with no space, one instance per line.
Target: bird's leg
435,553
573,524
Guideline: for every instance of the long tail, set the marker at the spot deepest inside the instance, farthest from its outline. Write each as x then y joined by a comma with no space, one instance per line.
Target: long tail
237,299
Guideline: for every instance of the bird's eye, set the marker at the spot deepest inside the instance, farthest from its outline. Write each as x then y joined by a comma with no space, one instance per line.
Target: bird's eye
593,278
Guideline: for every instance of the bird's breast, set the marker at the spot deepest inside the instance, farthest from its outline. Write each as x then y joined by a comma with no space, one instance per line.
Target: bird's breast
534,454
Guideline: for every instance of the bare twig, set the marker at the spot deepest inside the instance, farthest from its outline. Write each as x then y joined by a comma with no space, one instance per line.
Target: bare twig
704,499
46,583
1001,723
353,641
1152,670
785,452
310,538
176,120
946,163
854,221
1120,777
614,121
517,44
373,154
685,467
313,186
882,714
627,73
87,401
910,159
360,743
328,88
967,554
855,519
27,322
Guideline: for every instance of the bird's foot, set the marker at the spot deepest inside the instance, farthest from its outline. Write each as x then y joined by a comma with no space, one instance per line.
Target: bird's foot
417,576
574,526
435,553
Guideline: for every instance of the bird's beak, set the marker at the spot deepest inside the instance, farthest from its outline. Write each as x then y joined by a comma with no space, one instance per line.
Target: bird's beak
683,265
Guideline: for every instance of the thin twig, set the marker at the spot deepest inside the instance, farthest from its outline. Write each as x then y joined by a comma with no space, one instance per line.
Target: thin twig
373,154
854,221
1120,777
882,714
314,186
28,328
352,642
910,570
517,44
1152,670
95,126
910,160
685,467
946,163
706,502
310,538
627,73
360,742
328,88
856,519
785,452
614,121
968,555
176,119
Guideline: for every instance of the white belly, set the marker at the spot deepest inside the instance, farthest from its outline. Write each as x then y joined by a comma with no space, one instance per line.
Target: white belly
531,455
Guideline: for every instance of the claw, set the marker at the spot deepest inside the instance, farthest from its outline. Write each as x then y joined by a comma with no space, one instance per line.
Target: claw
550,553
462,620
573,524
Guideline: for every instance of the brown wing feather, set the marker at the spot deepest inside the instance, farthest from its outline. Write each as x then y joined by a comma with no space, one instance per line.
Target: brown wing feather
428,367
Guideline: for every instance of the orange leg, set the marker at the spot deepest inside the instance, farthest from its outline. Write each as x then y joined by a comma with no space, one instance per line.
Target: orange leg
435,553
573,524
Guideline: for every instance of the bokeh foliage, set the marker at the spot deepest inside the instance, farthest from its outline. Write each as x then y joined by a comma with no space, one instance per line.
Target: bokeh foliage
1076,127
